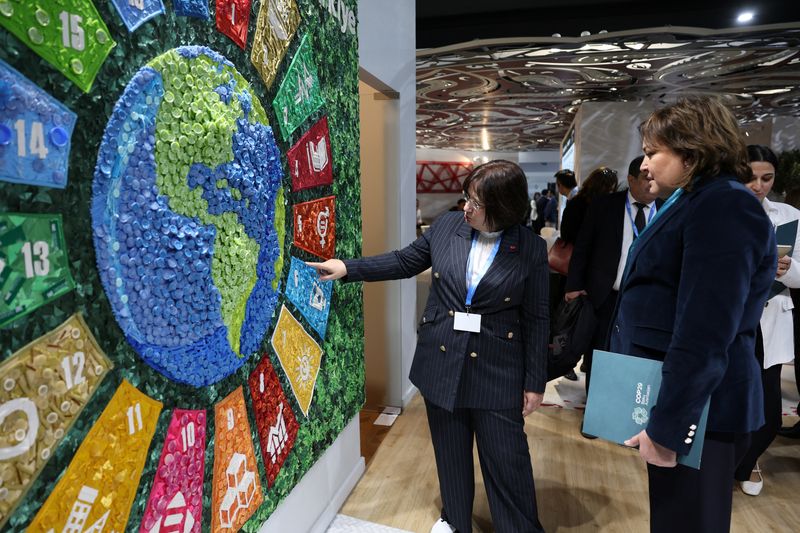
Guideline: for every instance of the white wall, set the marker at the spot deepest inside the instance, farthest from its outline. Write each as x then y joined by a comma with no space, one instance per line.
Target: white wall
386,48
785,134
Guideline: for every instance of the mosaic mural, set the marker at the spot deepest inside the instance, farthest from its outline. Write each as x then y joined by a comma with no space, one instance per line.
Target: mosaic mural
166,357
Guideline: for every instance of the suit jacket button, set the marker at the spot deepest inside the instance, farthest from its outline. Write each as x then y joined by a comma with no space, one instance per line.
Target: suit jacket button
616,327
510,334
451,313
507,299
693,427
436,275
473,355
691,433
442,348
688,441
424,320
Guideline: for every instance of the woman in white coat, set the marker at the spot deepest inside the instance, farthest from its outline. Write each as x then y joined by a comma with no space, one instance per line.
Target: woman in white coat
775,343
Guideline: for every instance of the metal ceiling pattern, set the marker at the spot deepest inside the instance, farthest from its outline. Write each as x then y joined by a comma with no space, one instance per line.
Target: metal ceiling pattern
524,92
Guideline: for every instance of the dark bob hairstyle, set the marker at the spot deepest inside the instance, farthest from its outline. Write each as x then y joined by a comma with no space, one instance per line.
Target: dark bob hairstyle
502,188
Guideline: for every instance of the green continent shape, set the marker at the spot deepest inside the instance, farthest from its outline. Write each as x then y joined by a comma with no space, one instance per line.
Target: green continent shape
194,125
279,222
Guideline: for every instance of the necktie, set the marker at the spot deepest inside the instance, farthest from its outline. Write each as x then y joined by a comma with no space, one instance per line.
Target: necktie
639,221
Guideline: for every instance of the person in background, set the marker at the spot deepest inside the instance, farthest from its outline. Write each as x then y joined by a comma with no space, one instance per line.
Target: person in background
551,210
481,357
793,432
459,205
541,205
692,295
532,213
775,341
601,182
601,250
566,183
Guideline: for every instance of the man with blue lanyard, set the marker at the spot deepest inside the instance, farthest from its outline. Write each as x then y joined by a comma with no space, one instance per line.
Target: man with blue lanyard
611,225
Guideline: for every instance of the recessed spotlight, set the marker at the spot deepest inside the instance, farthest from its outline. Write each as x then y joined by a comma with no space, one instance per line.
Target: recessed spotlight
745,16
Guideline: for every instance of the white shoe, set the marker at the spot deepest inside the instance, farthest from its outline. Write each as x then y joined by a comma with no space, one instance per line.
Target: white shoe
442,527
753,488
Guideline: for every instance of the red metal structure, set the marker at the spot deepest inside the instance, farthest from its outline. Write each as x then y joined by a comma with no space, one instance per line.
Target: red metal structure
441,176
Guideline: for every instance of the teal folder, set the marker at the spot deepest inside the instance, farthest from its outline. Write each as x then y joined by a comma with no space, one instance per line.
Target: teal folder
622,392
784,234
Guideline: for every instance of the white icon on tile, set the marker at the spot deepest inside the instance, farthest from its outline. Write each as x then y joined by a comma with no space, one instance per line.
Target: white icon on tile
80,513
317,154
278,436
318,300
305,82
241,490
278,15
25,438
323,217
177,515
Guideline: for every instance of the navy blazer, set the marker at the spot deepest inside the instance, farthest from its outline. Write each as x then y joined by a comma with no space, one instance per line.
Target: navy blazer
595,257
486,370
695,288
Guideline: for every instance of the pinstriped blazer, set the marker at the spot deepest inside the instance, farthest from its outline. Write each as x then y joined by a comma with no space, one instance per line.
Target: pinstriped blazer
486,370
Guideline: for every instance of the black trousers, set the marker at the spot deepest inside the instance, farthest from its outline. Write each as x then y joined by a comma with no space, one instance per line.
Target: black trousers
697,501
604,314
505,463
773,410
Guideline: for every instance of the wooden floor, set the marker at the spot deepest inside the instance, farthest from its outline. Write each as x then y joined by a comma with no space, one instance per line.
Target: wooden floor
581,485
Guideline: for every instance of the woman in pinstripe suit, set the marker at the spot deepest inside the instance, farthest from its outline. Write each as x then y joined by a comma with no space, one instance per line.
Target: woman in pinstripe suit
481,354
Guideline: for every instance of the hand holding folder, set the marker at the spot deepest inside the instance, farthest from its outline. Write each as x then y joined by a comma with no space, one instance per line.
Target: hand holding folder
622,393
651,451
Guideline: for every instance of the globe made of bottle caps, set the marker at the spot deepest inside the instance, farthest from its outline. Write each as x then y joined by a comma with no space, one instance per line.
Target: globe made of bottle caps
188,216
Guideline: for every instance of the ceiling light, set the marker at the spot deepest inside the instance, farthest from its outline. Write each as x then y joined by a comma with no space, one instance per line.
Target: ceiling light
744,17
774,91
485,139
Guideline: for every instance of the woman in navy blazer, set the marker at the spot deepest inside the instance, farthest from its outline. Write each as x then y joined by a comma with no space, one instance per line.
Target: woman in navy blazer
694,290
478,385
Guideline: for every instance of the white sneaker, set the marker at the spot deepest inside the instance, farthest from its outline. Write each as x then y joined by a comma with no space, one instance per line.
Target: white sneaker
442,527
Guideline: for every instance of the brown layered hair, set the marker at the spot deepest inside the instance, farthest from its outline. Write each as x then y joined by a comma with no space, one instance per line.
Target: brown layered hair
601,181
502,188
704,133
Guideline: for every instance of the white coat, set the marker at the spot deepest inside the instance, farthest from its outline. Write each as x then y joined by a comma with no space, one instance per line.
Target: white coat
777,326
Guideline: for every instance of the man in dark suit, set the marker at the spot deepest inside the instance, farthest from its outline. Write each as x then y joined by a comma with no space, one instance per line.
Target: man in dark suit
541,205
598,259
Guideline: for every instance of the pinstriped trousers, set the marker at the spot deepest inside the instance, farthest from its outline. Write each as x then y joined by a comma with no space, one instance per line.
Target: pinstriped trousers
505,463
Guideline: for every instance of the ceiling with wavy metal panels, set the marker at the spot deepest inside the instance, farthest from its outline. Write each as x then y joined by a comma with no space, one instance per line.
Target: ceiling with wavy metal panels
522,94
